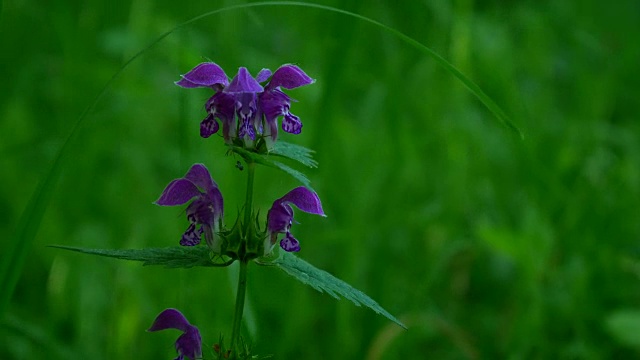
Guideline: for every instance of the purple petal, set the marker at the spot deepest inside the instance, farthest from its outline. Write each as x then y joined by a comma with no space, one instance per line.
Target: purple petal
229,130
200,211
273,129
274,104
200,176
263,75
222,106
210,238
191,237
170,319
189,344
279,217
289,243
247,106
244,83
291,124
208,126
305,199
246,130
204,75
289,77
178,192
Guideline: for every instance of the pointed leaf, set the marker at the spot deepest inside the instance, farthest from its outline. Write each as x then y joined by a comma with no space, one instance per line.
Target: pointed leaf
294,152
268,161
170,257
325,282
293,172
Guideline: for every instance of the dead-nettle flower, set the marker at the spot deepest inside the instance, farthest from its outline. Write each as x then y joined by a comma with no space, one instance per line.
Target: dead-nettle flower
189,344
205,210
280,217
244,106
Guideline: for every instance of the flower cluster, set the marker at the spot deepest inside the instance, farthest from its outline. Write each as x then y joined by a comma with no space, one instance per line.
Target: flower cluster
245,107
249,110
205,211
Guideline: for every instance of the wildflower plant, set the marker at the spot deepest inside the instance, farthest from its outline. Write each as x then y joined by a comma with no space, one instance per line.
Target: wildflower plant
251,111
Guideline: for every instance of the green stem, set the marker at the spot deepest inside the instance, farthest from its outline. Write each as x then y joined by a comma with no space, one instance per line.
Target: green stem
251,168
237,317
242,276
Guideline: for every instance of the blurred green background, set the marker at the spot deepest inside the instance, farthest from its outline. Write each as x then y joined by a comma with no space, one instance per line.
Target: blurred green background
485,245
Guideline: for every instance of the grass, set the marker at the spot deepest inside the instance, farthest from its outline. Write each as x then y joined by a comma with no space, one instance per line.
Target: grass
485,245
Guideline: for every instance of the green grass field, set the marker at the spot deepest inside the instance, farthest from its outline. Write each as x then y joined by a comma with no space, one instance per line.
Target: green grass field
486,245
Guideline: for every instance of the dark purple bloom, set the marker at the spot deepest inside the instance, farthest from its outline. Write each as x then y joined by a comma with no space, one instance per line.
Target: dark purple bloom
280,217
204,211
245,89
276,103
189,344
246,108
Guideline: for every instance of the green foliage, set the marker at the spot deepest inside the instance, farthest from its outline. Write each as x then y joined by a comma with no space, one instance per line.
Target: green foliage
170,257
325,282
191,256
294,152
270,162
624,325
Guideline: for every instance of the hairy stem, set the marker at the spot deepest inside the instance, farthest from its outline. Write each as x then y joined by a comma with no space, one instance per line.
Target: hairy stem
251,168
242,276
240,295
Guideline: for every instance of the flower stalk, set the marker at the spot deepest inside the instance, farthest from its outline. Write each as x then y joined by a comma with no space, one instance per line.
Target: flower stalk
240,296
251,167
242,275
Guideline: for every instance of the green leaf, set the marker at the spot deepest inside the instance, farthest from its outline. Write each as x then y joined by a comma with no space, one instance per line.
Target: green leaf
624,326
294,152
171,257
293,172
269,161
325,282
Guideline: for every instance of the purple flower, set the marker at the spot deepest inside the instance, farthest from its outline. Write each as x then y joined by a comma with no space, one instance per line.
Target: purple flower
205,210
280,217
189,344
245,89
275,103
246,108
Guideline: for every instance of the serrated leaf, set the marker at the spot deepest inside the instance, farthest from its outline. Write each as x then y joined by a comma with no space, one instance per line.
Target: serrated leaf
295,173
294,152
266,160
170,257
325,282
